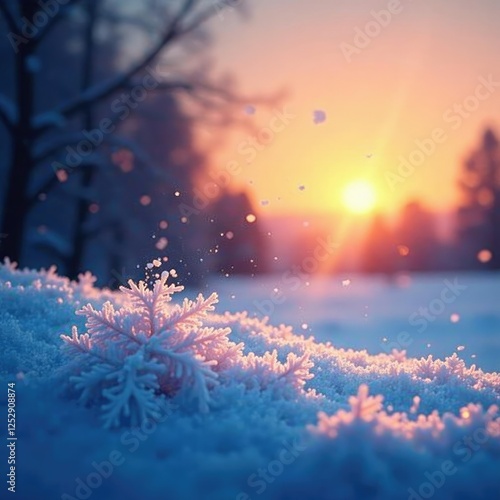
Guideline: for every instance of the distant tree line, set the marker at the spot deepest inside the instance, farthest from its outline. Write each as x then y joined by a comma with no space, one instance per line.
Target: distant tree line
414,245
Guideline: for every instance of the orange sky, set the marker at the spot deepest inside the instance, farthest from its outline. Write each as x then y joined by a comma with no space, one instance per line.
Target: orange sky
399,89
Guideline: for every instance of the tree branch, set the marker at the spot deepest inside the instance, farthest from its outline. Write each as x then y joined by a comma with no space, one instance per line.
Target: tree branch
8,16
7,113
97,93
53,21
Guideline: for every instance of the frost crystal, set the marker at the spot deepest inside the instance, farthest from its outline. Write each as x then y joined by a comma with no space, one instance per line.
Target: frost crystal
132,357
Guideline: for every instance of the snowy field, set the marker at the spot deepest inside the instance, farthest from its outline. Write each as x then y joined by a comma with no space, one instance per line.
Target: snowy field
150,399
439,313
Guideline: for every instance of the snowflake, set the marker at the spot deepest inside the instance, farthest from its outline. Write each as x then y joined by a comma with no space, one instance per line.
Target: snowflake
130,359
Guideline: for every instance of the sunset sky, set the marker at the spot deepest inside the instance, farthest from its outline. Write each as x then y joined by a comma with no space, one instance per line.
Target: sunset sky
399,89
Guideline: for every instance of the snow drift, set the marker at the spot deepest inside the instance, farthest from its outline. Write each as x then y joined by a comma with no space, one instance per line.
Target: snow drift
154,399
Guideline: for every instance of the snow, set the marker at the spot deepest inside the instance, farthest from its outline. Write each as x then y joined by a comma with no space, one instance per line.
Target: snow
358,312
289,417
319,116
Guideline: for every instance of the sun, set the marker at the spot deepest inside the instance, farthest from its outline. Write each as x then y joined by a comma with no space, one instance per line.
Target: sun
359,197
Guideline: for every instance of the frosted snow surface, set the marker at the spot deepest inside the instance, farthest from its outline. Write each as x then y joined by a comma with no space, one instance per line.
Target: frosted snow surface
360,312
289,417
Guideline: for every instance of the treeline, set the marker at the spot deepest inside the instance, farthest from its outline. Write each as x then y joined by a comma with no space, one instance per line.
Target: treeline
413,244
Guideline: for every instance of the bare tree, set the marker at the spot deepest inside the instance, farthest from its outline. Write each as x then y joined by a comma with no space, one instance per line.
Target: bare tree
28,129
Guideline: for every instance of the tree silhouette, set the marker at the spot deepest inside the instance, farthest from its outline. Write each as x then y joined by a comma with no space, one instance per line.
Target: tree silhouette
379,252
479,216
237,238
38,132
416,240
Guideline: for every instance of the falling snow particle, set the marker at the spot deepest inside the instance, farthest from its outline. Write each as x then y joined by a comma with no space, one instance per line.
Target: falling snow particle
346,282
251,218
460,348
484,256
62,175
250,110
162,244
124,159
319,116
403,250
145,200
455,318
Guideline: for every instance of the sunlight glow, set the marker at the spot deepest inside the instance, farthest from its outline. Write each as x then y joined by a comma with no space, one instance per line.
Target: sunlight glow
359,197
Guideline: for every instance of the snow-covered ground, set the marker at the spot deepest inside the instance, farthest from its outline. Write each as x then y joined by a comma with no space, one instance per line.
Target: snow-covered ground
361,311
289,418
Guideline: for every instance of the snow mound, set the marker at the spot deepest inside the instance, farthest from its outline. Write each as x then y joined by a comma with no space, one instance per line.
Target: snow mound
284,417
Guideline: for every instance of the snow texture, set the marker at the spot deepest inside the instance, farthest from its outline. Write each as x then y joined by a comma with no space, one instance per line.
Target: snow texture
284,417
129,355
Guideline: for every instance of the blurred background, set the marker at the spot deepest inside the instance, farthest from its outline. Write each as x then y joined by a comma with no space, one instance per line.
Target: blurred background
248,138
